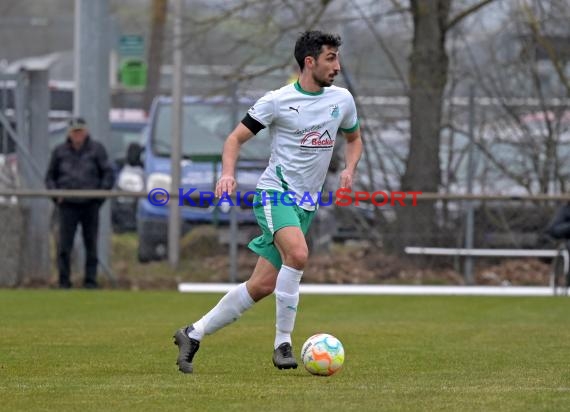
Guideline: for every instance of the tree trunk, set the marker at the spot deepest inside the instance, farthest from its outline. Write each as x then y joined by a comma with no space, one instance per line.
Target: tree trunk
159,9
428,77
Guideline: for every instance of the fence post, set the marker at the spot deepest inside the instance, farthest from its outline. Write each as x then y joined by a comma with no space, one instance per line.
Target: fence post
234,233
174,216
35,253
469,221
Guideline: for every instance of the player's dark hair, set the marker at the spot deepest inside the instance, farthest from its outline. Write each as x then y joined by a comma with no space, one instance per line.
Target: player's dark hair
311,43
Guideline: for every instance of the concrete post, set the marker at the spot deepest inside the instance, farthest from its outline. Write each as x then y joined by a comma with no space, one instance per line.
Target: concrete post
92,99
174,218
35,254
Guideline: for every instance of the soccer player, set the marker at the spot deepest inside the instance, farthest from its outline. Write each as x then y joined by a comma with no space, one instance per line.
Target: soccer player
303,120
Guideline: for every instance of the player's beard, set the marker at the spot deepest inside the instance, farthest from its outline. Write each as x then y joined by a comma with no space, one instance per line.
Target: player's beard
323,82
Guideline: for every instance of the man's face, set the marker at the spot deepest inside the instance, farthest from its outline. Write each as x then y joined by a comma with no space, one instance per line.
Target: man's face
77,136
326,67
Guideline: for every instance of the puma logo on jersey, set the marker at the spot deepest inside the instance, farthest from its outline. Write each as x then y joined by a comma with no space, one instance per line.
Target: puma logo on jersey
296,109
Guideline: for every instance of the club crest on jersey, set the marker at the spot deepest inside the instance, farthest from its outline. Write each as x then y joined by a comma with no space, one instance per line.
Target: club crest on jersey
334,111
317,141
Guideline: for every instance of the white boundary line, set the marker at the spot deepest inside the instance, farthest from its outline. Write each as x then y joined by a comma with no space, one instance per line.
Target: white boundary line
480,252
387,289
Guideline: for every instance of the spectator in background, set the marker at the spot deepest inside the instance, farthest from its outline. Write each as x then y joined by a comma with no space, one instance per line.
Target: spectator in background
559,227
80,163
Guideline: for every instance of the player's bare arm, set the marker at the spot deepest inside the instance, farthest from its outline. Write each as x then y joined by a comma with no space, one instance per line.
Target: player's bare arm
227,182
353,151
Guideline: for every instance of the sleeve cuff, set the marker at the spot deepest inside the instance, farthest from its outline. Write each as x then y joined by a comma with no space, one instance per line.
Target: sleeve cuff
351,129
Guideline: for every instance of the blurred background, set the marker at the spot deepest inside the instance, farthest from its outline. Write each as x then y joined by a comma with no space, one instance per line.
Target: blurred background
455,97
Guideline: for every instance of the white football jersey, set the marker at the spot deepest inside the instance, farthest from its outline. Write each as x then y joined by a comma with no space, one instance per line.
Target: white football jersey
303,127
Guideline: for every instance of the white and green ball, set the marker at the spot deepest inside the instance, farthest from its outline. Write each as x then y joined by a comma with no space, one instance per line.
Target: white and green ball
322,354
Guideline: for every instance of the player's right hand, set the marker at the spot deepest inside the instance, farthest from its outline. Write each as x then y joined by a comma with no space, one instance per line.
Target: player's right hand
226,184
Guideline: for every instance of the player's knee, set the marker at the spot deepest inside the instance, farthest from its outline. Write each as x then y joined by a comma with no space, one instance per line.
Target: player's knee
297,257
261,288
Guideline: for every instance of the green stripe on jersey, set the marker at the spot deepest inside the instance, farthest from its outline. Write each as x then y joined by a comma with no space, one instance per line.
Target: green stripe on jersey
352,129
284,184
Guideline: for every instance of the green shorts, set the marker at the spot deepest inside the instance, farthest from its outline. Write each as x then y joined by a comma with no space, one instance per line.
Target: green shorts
272,215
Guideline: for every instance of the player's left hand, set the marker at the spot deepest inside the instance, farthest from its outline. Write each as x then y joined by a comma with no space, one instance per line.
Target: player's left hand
346,179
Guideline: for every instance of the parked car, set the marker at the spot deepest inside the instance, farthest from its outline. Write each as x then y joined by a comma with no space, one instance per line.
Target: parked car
206,124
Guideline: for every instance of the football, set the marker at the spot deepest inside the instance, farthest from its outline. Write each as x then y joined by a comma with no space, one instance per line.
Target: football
322,354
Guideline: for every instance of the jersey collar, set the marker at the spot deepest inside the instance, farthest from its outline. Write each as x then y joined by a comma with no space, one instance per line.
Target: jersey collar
300,90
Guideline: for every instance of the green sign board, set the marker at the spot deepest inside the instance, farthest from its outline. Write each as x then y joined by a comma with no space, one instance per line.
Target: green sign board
131,45
132,67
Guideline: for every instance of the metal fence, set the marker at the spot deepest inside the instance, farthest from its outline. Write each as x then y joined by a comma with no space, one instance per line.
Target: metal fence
367,249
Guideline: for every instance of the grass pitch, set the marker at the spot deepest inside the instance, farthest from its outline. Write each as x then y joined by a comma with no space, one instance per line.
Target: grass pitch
104,350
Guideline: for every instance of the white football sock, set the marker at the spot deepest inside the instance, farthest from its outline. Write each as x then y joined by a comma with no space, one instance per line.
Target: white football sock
228,310
286,301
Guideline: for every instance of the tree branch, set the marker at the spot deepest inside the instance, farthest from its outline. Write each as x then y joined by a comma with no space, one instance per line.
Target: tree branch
543,41
383,46
399,7
467,12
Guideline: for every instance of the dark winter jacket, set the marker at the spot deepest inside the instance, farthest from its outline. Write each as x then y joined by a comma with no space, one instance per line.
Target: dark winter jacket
559,227
85,169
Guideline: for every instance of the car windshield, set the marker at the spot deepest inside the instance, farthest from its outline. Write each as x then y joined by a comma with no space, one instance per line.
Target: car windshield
122,137
205,129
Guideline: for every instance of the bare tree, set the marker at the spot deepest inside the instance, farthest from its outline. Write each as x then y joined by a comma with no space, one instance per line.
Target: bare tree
536,131
158,20
247,40
427,78
523,125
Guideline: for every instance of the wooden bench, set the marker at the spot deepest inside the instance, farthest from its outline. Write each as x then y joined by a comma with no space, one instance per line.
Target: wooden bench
558,255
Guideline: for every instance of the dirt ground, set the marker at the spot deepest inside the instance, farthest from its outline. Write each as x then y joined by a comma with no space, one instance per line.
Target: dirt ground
365,265
203,259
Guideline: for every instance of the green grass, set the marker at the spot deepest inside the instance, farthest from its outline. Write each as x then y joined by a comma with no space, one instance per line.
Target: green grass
109,350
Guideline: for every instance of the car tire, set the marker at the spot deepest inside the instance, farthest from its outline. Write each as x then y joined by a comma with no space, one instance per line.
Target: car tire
148,243
145,252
